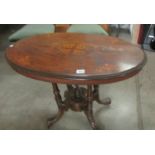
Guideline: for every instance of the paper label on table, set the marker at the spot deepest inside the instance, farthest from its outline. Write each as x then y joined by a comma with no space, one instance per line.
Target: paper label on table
11,45
80,71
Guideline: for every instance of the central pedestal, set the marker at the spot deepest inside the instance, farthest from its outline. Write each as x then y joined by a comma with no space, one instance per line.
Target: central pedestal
77,99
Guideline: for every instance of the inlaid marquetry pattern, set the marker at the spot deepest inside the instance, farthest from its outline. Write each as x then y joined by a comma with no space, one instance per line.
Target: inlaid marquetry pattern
65,53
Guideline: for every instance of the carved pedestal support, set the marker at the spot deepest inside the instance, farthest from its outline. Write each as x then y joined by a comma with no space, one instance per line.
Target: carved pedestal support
60,105
77,99
89,109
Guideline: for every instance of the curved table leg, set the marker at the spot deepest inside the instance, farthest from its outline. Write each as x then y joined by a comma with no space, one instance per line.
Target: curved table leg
90,118
86,96
89,111
55,118
60,105
106,101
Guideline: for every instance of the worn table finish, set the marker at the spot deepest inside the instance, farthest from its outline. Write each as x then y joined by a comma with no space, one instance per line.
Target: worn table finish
76,59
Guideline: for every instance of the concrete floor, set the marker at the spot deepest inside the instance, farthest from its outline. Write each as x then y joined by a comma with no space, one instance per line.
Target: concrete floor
26,103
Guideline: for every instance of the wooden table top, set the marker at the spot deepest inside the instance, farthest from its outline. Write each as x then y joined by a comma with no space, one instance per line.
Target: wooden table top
75,58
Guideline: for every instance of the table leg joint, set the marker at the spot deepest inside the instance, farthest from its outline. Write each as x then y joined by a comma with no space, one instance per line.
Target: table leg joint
77,99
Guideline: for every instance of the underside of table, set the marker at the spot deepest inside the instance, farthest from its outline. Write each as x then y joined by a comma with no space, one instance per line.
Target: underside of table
78,99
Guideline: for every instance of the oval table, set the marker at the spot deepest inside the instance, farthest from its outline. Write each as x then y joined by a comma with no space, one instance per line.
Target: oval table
76,60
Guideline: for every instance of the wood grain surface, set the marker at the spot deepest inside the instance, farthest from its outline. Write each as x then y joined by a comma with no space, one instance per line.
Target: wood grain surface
75,58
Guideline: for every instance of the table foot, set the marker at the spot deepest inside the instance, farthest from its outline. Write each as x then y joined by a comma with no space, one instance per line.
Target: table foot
54,119
105,101
91,120
77,99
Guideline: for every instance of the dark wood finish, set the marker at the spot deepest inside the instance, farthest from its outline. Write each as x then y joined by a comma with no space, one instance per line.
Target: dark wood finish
89,110
56,58
77,99
61,107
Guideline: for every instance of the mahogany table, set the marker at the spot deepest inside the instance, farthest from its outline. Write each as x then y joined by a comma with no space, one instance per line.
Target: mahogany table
76,60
